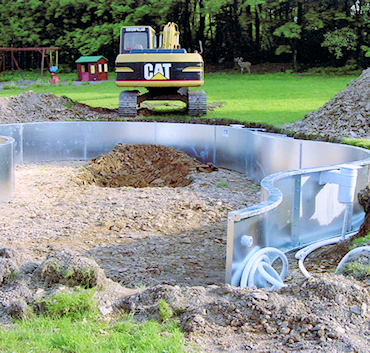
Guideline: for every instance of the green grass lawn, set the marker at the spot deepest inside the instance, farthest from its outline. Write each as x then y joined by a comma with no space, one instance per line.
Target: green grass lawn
270,98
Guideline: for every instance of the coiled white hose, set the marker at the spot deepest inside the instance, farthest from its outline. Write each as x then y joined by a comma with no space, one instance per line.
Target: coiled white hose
256,269
235,279
259,272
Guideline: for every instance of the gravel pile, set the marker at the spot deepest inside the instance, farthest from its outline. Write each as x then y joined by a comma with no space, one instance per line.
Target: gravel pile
347,114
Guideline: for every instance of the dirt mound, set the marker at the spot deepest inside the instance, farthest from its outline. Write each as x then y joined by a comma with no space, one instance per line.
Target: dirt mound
25,285
324,313
313,316
141,166
347,114
35,107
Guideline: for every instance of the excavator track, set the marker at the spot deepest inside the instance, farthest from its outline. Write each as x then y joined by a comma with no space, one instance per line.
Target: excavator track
197,103
128,103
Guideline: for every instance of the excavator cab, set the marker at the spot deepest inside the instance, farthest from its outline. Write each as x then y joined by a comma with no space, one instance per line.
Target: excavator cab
134,37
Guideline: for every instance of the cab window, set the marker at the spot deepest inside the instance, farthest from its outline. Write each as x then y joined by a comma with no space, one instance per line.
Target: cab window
135,40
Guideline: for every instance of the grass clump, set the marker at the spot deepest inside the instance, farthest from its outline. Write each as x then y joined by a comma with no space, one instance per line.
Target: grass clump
364,143
76,305
41,83
70,322
358,264
357,269
66,335
164,310
361,241
9,85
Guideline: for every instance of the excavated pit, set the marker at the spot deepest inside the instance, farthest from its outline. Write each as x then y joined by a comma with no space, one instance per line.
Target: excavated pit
171,242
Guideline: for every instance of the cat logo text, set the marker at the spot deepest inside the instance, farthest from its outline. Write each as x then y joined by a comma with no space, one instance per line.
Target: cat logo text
158,71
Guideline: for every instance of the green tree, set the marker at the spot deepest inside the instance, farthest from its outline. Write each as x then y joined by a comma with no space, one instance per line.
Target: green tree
291,31
339,40
257,30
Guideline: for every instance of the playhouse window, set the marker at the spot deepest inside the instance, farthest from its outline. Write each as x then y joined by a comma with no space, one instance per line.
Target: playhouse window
92,69
105,67
100,67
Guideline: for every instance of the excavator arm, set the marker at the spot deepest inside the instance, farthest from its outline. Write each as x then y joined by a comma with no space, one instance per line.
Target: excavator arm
170,36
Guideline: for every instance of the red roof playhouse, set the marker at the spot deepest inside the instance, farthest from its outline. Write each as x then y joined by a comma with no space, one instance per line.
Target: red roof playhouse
92,68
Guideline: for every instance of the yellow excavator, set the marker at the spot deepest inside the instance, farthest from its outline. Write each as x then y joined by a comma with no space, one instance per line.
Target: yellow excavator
165,69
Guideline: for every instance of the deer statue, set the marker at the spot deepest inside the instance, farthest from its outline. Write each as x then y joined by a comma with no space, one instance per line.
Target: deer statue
243,65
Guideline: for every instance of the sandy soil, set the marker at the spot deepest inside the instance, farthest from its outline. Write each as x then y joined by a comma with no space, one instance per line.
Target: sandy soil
139,236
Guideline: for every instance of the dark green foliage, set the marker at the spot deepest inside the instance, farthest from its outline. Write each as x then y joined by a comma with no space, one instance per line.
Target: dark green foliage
306,33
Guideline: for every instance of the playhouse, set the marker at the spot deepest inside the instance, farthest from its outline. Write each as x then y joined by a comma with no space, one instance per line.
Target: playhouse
92,68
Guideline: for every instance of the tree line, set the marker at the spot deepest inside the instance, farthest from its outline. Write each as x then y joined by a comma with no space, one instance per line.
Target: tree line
305,32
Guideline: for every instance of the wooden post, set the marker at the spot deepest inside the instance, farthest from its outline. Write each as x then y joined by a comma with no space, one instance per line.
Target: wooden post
16,64
2,63
42,61
12,61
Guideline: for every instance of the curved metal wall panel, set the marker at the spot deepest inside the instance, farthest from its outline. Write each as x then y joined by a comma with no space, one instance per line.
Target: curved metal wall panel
297,210
272,154
196,140
316,153
14,131
6,168
72,140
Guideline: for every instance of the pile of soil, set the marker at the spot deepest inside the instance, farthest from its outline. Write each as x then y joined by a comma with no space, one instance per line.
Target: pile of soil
141,166
347,114
150,243
29,107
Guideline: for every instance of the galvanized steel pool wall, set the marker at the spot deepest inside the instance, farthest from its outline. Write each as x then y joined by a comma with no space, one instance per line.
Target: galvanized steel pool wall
6,169
295,210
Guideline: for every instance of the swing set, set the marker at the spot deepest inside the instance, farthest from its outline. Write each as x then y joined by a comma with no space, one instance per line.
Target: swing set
13,62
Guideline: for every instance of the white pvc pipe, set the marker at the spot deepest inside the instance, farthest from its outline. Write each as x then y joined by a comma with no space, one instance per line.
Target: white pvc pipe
303,253
354,251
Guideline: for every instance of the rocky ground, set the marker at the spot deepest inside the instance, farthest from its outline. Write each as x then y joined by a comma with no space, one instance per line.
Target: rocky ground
142,243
